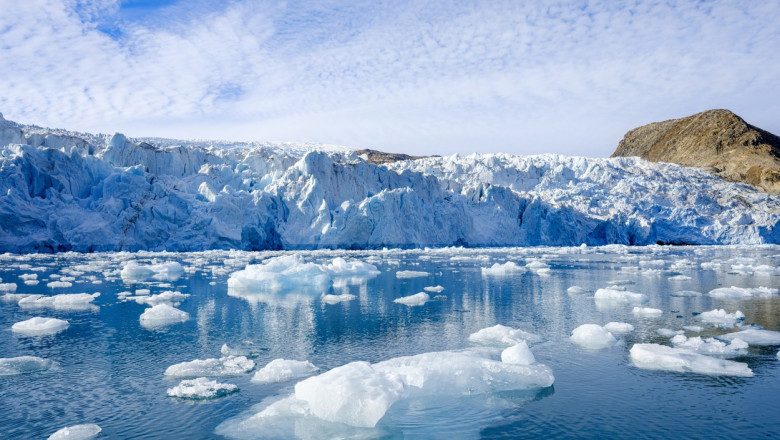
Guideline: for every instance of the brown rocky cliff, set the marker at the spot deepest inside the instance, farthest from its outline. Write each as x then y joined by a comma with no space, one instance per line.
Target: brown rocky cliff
717,140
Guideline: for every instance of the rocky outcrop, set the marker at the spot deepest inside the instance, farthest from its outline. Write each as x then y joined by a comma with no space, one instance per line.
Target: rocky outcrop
381,158
717,140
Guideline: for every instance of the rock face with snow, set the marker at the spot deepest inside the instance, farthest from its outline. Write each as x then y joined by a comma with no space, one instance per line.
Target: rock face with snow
71,191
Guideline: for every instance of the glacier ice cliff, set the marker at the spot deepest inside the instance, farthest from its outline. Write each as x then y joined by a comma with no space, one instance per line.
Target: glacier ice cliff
62,191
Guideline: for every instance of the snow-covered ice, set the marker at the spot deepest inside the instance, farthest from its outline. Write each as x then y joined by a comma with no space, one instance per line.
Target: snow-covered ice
281,370
23,365
721,318
40,326
661,357
417,299
86,431
222,367
201,388
754,336
502,336
162,315
592,337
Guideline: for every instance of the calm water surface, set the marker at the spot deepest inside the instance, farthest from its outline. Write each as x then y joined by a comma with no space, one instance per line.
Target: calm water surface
110,369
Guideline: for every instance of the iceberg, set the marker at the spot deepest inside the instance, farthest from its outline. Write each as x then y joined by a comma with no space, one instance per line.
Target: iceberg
508,268
133,272
742,292
335,299
646,312
679,360
281,370
162,315
722,319
280,275
222,367
417,299
23,365
201,389
592,337
618,327
40,326
78,432
401,274
502,336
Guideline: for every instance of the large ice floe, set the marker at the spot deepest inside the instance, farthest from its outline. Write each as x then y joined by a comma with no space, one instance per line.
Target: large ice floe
23,364
681,360
40,326
73,191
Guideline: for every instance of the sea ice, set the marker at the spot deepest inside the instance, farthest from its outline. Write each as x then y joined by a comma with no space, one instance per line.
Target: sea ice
502,336
78,432
618,327
410,274
8,287
619,296
508,268
134,272
646,312
742,292
711,346
201,388
592,337
63,301
40,326
222,367
417,299
162,315
722,319
518,354
281,370
434,289
576,290
661,357
341,268
754,336
23,364
280,275
168,297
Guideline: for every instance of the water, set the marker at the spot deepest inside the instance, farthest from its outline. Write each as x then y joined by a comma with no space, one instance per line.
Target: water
110,369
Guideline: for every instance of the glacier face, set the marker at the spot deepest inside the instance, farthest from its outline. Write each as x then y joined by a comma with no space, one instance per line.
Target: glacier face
66,191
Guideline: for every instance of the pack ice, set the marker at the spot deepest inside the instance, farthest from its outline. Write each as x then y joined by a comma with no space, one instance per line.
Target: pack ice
74,191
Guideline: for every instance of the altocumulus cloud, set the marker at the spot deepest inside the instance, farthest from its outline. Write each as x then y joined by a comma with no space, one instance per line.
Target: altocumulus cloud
409,76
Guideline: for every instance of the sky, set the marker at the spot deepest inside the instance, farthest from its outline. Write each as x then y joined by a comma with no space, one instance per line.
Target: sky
416,77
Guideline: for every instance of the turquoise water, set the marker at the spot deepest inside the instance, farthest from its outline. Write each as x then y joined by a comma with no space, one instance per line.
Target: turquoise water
109,369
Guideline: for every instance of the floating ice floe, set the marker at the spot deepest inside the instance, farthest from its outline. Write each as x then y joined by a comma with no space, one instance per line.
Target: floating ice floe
618,327
335,299
722,319
646,312
518,354
619,296
754,336
341,268
201,388
168,297
59,284
693,328
679,278
592,337
508,268
742,292
434,289
661,357
7,287
222,367
685,293
78,432
576,290
281,370
711,346
134,272
411,274
417,299
502,336
63,301
668,333
23,365
40,326
162,315
246,348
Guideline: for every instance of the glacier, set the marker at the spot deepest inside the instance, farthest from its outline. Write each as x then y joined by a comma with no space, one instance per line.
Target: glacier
67,191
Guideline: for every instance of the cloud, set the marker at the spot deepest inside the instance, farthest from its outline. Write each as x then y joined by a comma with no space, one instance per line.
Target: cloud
414,76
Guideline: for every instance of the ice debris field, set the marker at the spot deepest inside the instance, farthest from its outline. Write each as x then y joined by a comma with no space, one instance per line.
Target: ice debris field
428,343
67,191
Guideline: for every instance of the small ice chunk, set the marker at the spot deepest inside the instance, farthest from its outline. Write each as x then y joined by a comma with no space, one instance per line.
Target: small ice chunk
576,290
134,272
59,284
162,315
417,299
281,370
711,346
754,336
40,326
31,282
142,292
8,287
78,432
508,268
646,312
592,337
224,366
619,296
722,319
434,289
23,364
201,388
661,357
411,274
247,348
335,299
742,292
538,266
28,276
679,278
518,354
685,293
502,336
168,297
618,327
668,333
341,268
693,328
